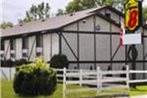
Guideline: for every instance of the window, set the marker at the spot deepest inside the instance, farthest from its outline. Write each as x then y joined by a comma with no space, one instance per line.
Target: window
38,54
12,44
39,41
24,55
2,45
25,43
12,55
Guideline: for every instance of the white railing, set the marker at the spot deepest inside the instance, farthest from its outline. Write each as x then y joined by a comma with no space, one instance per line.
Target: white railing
7,73
138,72
97,78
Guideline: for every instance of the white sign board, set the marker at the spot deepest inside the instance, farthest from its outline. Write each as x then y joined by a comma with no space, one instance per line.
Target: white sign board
132,39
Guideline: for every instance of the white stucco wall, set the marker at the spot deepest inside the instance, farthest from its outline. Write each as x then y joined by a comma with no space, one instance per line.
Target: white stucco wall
32,48
104,25
71,27
86,47
86,24
115,28
55,44
46,46
18,48
7,49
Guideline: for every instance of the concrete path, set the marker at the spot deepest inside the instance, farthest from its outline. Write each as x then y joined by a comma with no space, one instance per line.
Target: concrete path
141,96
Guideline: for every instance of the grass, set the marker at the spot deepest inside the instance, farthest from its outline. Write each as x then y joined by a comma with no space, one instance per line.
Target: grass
7,91
140,90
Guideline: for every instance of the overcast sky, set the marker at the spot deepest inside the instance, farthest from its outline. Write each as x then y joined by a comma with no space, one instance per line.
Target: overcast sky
12,10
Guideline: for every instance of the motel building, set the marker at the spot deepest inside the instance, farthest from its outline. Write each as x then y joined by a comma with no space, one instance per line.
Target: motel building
88,38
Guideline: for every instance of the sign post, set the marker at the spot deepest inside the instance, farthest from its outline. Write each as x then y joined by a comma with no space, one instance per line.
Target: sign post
133,22
133,29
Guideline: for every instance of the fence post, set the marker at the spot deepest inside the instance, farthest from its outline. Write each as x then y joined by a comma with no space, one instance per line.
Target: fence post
81,75
64,82
98,79
127,75
10,73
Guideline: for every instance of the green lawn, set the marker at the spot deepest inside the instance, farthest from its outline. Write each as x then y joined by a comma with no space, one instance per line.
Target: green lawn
7,91
140,90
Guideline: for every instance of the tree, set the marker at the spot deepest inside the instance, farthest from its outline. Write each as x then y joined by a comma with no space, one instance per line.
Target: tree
78,5
5,25
37,12
60,12
145,13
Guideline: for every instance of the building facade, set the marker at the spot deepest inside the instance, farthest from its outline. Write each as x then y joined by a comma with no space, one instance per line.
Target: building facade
88,38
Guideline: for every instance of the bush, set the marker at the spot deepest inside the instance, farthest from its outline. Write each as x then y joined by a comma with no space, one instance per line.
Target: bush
7,63
36,78
59,61
20,62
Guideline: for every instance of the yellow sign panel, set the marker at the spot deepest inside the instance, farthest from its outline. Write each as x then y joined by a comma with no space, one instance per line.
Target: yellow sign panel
131,15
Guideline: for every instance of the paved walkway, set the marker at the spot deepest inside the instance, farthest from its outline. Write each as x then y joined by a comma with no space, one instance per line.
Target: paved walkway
141,96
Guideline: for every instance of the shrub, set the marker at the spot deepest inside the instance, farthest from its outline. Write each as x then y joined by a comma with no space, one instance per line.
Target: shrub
7,63
59,61
36,78
20,62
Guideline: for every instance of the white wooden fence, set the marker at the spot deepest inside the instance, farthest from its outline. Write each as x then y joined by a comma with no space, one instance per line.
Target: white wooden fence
98,78
7,73
138,72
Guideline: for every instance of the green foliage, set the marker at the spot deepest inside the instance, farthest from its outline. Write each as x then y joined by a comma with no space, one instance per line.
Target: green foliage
7,63
37,12
20,62
60,12
59,61
145,13
78,5
36,78
5,25
11,63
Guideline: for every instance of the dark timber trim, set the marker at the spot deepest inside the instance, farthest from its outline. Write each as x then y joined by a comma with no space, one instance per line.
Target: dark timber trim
60,42
107,61
143,57
95,52
51,46
91,32
126,54
111,65
78,46
118,47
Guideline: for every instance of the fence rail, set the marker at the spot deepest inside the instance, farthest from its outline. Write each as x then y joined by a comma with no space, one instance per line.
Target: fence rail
102,80
7,73
97,78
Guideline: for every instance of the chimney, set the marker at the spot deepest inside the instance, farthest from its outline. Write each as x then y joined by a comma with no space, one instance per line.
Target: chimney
21,23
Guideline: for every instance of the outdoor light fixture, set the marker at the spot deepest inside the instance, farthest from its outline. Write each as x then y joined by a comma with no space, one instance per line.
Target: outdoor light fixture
97,27
84,21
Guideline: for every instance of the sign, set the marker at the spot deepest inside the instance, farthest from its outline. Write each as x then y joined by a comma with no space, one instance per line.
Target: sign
129,39
122,33
133,19
133,22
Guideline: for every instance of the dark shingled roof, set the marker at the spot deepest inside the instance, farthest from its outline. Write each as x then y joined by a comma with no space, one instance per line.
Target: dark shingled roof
56,23
49,24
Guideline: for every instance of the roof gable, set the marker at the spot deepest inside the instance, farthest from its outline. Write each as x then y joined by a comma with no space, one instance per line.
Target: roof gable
55,23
